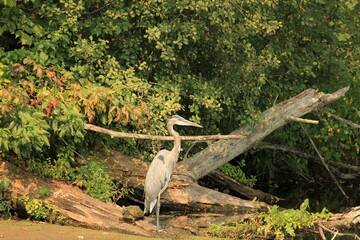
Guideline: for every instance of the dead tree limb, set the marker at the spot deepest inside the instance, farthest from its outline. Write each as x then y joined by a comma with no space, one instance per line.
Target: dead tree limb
112,133
324,163
223,151
302,120
343,171
342,221
351,124
79,208
249,193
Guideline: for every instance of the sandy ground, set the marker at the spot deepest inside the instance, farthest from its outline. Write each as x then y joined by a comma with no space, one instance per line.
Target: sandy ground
26,230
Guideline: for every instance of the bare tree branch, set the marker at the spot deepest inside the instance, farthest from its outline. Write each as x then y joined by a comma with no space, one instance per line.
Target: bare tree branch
112,133
351,124
333,164
324,163
296,119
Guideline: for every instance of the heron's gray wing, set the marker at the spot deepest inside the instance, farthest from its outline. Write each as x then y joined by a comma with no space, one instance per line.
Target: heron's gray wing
157,179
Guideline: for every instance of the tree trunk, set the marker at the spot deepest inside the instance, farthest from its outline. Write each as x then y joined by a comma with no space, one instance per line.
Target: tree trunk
180,196
223,151
220,179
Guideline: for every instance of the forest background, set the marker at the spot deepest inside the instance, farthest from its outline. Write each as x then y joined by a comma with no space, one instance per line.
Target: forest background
128,66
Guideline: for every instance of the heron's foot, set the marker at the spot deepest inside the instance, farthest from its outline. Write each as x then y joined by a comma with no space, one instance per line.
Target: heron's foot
161,230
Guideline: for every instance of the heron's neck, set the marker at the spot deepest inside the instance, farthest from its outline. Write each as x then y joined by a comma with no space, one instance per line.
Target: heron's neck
177,141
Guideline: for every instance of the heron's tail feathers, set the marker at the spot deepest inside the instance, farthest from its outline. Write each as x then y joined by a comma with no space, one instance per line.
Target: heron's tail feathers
149,206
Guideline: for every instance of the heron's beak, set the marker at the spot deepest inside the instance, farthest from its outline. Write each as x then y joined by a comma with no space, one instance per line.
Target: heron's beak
185,122
196,125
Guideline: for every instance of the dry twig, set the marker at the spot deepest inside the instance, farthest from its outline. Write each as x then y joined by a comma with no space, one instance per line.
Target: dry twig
335,233
303,120
351,124
324,163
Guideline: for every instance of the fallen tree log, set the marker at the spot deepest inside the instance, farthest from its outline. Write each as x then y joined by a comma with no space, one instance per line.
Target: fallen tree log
339,224
345,220
223,151
190,197
241,189
79,208
183,188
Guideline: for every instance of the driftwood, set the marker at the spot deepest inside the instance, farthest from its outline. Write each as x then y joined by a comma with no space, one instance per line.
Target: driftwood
345,220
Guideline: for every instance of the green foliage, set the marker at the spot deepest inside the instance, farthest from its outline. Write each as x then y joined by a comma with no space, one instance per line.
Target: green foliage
288,221
60,168
236,173
275,223
44,192
6,205
4,184
316,54
38,210
129,65
94,179
28,133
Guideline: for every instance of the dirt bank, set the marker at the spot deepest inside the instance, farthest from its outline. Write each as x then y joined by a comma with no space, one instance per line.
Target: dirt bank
21,230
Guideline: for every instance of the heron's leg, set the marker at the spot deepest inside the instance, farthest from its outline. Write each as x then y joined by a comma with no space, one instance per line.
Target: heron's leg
157,214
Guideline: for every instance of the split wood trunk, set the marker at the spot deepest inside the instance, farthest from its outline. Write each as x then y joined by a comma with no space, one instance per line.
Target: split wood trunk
181,196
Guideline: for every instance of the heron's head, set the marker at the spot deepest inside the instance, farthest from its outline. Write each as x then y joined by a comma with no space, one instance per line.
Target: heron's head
177,120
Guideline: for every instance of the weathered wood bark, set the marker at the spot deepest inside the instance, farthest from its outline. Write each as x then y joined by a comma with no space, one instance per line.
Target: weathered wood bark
180,196
346,220
223,151
240,189
341,224
79,208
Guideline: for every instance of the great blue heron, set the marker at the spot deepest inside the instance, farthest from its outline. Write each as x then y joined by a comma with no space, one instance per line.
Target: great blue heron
161,168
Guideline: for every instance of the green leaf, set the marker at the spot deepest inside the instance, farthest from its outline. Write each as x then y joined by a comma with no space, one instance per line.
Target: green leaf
45,140
38,30
43,56
9,3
